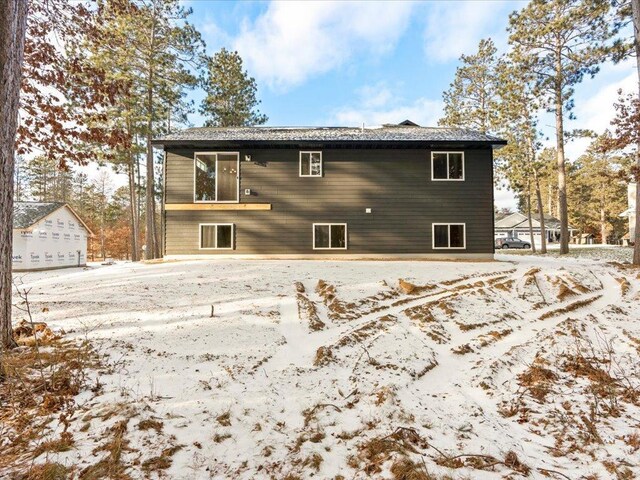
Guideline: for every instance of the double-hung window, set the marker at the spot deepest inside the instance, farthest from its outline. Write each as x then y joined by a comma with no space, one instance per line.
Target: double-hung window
329,236
216,236
310,164
449,236
447,166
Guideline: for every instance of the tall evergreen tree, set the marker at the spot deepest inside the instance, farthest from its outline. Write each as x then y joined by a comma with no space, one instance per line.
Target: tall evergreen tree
517,114
470,101
154,49
231,93
599,190
561,41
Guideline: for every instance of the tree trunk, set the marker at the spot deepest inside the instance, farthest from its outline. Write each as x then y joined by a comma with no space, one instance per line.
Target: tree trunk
13,23
603,226
562,180
635,5
132,207
150,193
150,190
543,230
533,243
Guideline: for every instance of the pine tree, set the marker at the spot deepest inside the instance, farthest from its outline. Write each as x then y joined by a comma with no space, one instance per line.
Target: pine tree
231,93
470,101
561,41
153,49
517,116
598,190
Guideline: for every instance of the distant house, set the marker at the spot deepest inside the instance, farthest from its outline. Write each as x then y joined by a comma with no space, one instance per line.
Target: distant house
584,239
48,235
630,213
326,191
517,225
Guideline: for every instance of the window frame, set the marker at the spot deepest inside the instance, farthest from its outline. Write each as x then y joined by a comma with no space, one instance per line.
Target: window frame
195,173
310,152
464,236
462,179
346,236
233,236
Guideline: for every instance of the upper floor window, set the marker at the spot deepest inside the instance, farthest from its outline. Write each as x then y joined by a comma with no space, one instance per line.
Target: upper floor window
310,164
216,177
447,166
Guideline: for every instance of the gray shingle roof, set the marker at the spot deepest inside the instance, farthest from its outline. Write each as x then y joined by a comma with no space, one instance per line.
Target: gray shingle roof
385,133
26,214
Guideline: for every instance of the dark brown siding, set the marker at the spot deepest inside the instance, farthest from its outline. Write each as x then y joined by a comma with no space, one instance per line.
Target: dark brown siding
395,184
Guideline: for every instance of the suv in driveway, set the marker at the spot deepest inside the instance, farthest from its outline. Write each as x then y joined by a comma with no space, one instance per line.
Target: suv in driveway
511,242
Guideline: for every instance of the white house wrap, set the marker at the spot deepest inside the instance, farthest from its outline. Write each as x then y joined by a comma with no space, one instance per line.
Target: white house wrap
48,235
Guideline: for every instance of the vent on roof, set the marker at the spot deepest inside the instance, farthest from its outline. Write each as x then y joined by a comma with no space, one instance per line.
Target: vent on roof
408,123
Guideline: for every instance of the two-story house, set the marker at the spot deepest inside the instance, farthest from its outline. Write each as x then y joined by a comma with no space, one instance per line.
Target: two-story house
396,190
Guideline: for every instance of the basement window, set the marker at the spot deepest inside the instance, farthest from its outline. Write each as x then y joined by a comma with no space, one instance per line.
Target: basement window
329,236
447,166
216,236
310,164
449,236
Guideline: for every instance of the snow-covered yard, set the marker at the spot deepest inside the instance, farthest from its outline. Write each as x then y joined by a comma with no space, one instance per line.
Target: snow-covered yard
339,370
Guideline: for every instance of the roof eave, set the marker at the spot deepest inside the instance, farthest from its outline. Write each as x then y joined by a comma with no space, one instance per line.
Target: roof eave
351,143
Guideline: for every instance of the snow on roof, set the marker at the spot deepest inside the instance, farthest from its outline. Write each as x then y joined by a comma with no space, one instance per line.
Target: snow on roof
519,220
385,133
26,214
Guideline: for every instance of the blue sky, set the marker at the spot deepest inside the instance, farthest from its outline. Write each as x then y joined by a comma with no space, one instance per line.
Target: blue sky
343,63
348,63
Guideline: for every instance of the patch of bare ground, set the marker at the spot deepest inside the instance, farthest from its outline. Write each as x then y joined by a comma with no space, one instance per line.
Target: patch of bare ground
38,382
569,308
625,285
308,312
326,353
403,453
338,310
581,396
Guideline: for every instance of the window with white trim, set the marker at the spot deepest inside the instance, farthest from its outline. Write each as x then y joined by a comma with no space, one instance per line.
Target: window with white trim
449,236
216,236
310,164
329,236
447,166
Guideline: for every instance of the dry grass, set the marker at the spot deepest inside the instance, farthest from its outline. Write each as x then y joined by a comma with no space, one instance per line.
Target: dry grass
111,465
46,471
149,424
37,383
160,462
62,444
224,419
538,381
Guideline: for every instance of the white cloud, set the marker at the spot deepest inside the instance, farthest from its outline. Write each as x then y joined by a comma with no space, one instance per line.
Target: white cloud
454,28
293,41
377,105
594,108
505,198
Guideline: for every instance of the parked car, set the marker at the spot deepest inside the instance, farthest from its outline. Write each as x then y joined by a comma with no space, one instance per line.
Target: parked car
511,242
